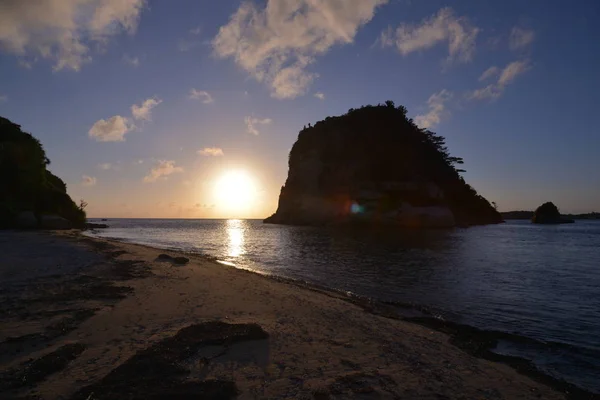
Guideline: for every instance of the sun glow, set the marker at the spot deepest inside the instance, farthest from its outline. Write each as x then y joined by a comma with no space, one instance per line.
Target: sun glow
235,191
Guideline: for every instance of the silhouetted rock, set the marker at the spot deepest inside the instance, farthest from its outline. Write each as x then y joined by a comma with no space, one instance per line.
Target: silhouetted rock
374,165
54,222
548,213
26,220
26,185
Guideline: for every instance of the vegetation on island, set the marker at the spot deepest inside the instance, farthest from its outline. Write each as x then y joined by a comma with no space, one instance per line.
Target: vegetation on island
370,147
26,185
548,213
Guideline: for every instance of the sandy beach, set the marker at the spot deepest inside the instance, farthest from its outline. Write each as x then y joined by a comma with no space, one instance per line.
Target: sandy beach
108,320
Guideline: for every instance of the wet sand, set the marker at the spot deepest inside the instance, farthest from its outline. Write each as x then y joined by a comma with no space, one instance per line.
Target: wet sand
117,322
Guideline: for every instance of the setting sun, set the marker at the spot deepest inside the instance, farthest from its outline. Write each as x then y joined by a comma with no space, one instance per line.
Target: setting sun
236,190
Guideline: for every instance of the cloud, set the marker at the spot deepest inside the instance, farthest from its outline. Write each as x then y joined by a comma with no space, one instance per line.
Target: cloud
201,95
142,112
437,109
211,151
111,130
105,166
162,169
195,31
88,180
3,98
320,96
184,45
133,61
489,73
439,28
511,71
275,45
505,77
251,122
520,38
64,30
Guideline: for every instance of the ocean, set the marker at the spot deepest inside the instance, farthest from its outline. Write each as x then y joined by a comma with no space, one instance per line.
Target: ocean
535,281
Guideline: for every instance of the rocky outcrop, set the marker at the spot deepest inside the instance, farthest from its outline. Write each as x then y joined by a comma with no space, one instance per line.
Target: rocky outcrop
27,187
375,166
548,213
26,220
54,222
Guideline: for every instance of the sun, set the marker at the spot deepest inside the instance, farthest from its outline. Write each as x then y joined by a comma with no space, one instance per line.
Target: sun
235,191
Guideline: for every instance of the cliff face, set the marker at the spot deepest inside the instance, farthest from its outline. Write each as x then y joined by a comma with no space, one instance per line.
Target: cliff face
374,165
26,186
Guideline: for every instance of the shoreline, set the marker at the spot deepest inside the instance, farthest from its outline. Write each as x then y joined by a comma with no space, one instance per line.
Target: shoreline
475,341
246,297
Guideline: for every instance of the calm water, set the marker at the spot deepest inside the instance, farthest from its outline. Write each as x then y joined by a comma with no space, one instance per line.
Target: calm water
542,282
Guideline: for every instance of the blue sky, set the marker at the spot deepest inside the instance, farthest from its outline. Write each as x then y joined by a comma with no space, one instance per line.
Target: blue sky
143,106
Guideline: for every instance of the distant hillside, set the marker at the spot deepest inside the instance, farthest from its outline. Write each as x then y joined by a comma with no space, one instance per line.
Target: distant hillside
529,214
517,214
375,165
25,183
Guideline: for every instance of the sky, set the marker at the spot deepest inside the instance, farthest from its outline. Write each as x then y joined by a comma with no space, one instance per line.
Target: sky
188,108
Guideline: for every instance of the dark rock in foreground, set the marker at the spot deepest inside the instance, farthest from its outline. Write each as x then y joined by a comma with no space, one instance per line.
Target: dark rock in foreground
159,372
548,213
375,166
54,222
176,260
35,371
26,220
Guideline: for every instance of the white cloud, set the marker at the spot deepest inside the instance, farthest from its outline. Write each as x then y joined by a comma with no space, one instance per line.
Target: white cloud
520,38
251,122
276,44
211,151
201,95
142,112
505,77
88,180
489,73
511,71
195,31
320,96
439,28
133,61
111,130
64,30
437,109
3,98
105,166
162,169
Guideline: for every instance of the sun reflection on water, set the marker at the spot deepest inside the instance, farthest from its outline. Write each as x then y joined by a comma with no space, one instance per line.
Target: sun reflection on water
235,234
